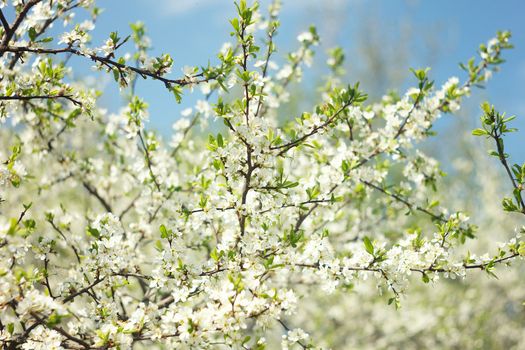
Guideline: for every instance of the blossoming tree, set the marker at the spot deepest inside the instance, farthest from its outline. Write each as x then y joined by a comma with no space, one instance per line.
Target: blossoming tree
111,237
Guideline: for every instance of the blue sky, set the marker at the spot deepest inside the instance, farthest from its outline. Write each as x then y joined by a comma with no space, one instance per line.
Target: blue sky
441,34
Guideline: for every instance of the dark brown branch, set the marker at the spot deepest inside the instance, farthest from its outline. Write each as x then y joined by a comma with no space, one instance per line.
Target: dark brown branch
503,160
414,107
42,30
82,291
409,205
5,24
97,195
431,268
108,62
288,330
46,277
148,161
75,250
22,214
60,330
40,97
129,206
8,35
270,34
287,146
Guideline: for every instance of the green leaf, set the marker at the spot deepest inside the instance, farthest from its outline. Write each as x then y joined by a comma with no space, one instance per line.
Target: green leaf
116,74
479,132
246,339
369,247
313,192
177,92
290,184
235,24
217,164
163,232
93,232
395,301
521,249
53,319
32,34
425,278
215,255
508,205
